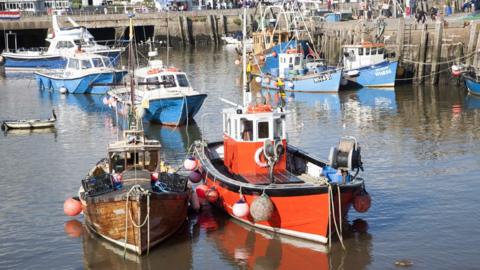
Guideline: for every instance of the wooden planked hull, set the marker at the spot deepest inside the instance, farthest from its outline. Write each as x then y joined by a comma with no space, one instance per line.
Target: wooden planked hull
106,215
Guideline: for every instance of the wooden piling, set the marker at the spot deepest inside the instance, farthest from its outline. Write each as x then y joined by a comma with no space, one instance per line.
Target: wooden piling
180,27
471,41
422,55
476,63
186,30
437,52
210,21
400,39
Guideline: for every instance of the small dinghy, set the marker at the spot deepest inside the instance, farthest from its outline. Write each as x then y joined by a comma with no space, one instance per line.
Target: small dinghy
30,124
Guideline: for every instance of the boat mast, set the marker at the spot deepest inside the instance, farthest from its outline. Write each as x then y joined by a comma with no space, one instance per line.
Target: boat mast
247,95
132,75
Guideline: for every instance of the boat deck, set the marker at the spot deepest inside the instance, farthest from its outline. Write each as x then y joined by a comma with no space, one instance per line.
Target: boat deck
280,178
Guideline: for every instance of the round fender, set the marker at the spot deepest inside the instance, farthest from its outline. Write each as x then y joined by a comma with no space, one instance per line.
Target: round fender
257,158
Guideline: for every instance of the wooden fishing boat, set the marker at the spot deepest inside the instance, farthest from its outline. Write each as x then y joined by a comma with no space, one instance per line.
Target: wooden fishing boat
128,198
30,124
128,201
261,180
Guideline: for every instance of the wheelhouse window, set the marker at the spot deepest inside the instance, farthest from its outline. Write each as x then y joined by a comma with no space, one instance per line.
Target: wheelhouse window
297,61
64,45
107,62
263,130
86,64
373,51
278,129
73,64
380,50
152,83
117,161
246,127
182,80
360,51
367,51
97,62
169,81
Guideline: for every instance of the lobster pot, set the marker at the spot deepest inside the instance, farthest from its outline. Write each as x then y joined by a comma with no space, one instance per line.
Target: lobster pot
261,208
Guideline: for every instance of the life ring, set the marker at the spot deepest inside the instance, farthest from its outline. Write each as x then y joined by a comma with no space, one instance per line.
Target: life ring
153,71
259,108
257,158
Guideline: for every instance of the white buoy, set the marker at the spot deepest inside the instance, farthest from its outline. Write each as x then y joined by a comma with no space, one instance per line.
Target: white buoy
63,90
258,79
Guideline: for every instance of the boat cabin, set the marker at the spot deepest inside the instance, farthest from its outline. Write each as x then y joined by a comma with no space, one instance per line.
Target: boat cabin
363,55
84,61
246,132
69,44
267,39
290,61
157,76
134,152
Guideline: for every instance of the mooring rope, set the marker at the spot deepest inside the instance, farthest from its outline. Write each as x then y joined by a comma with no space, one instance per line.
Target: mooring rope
441,63
332,215
137,189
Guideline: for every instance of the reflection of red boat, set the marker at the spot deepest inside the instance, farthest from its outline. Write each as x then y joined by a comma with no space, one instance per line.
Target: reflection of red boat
261,250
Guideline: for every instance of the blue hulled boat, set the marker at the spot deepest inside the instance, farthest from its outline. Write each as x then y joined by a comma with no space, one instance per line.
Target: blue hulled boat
164,94
472,83
365,65
63,43
85,74
298,75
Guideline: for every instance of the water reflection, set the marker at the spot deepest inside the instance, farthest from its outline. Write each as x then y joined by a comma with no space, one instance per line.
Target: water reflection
31,132
174,253
253,248
472,102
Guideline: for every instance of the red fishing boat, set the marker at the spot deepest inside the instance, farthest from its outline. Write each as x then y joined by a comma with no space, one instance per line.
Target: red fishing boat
259,179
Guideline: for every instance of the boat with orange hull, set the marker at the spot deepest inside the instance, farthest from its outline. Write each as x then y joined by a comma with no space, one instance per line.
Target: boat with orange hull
261,180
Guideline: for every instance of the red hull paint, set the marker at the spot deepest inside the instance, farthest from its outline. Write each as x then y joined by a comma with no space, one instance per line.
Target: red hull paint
303,216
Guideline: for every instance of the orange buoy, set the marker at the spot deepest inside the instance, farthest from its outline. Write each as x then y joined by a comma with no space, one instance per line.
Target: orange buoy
72,207
73,228
201,191
274,54
362,202
212,195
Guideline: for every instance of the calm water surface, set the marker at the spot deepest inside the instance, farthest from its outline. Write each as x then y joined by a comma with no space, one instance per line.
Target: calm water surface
420,148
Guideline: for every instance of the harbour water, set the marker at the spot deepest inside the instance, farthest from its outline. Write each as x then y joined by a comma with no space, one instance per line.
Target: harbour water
421,152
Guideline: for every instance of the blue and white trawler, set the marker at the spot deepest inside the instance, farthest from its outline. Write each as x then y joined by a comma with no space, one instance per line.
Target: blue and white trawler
365,65
164,95
85,73
300,74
